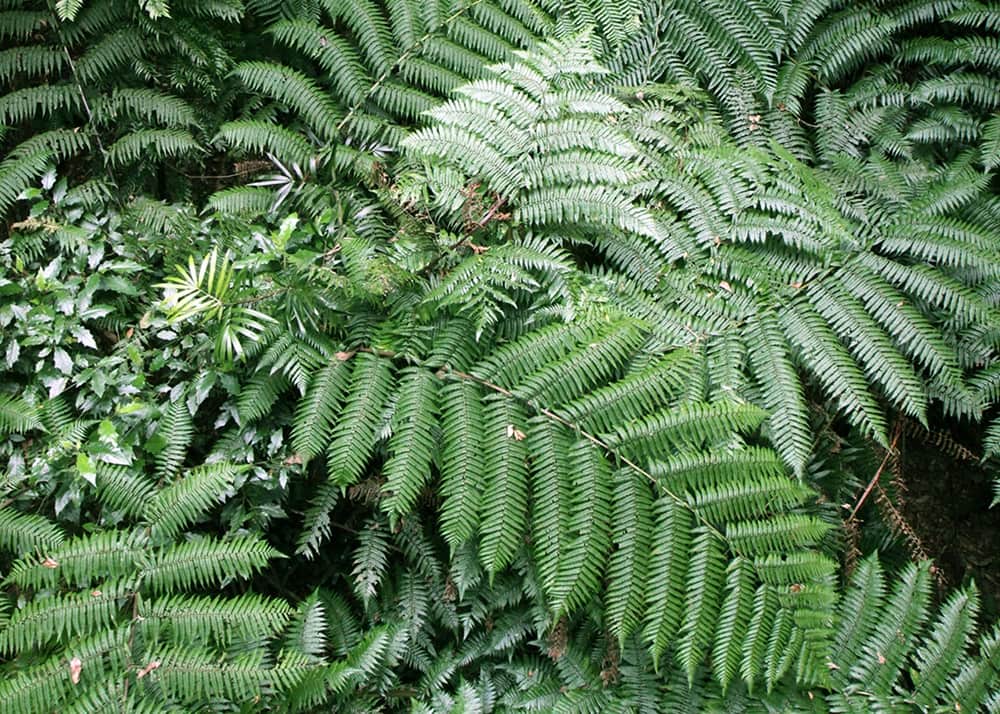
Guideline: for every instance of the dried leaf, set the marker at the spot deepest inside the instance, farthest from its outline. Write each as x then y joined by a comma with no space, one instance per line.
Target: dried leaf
155,664
75,667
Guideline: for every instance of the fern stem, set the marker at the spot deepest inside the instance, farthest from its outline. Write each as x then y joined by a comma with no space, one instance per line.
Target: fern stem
871,484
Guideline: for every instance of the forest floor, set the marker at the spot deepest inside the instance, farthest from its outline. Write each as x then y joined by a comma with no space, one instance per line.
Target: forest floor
947,503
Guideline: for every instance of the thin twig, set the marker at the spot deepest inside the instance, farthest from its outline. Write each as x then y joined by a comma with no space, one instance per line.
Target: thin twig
878,474
90,116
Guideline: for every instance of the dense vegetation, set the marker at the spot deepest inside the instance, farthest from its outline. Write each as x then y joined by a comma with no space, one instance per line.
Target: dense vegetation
491,355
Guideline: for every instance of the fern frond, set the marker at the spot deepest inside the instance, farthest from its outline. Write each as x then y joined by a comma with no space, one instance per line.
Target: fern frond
830,363
191,619
307,633
735,616
411,446
25,532
551,496
261,139
668,568
194,675
60,143
631,535
353,438
505,499
122,488
17,174
705,579
188,498
337,56
175,431
23,104
461,461
939,657
49,682
581,563
887,645
204,562
30,61
788,424
49,618
258,396
146,104
294,89
80,561
626,399
694,424
163,143
17,416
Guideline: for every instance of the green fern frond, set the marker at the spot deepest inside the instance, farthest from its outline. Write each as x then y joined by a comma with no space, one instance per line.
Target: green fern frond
30,61
245,618
353,438
49,618
461,461
306,634
242,200
193,675
25,532
80,561
584,369
631,535
18,24
735,617
260,138
705,579
205,562
61,144
23,104
504,506
146,104
659,434
551,496
412,444
672,537
163,143
17,416
626,399
49,682
188,498
582,561
258,396
122,488
108,54
831,364
175,431
17,174
890,639
294,89
939,657
337,56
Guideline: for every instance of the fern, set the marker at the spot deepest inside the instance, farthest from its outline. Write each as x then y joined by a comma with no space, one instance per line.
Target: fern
17,416
411,446
563,272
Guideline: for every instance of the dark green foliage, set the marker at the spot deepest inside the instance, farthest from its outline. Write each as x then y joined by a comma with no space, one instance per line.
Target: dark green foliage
505,355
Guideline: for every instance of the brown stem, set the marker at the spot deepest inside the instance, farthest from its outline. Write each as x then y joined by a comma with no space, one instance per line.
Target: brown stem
897,430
